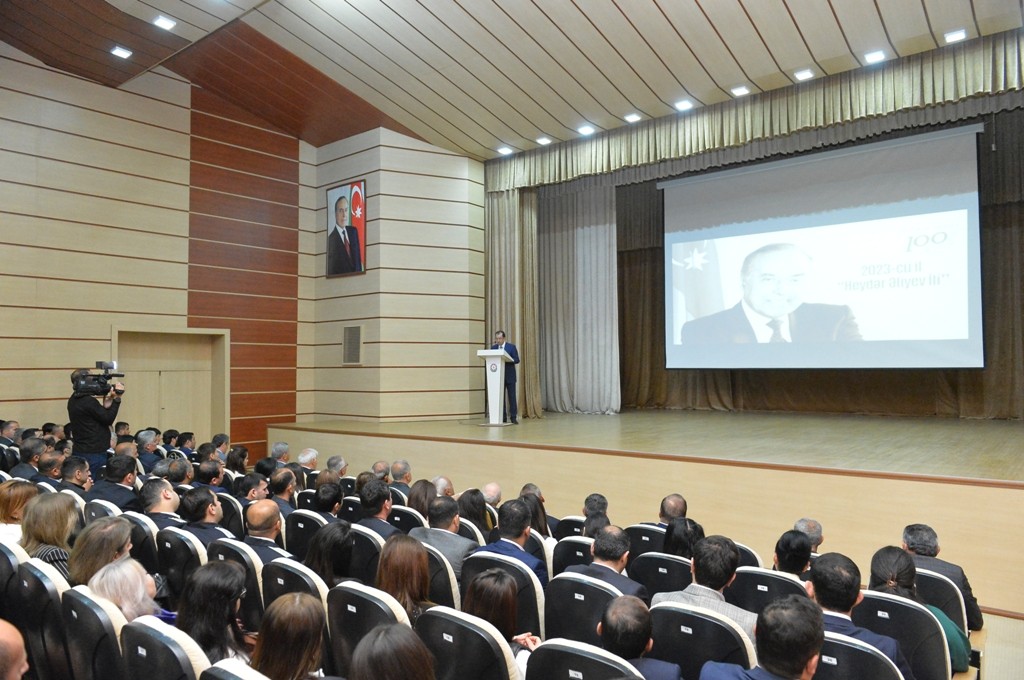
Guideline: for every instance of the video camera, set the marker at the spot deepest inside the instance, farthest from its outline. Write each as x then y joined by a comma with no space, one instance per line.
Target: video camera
95,384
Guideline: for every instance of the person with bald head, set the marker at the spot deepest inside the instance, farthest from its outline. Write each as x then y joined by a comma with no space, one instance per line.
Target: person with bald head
127,449
13,659
264,518
672,506
492,494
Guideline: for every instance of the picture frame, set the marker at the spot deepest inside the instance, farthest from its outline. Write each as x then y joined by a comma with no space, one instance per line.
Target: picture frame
346,229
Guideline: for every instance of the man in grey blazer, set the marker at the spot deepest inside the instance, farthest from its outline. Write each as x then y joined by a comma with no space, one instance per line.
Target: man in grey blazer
714,563
921,541
443,516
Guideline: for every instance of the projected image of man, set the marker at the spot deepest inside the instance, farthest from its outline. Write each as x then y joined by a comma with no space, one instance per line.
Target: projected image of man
775,282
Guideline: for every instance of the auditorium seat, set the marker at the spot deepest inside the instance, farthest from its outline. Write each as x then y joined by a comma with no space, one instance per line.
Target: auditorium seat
937,590
353,610
305,499
529,593
574,605
405,518
348,485
570,525
492,512
465,646
79,503
11,556
231,669
444,588
302,524
231,550
234,519
179,553
691,636
754,587
558,659
366,548
351,509
39,590
155,650
844,658
911,624
4,477
97,508
45,488
569,551
471,531
748,556
285,575
93,626
397,497
538,547
661,573
644,538
144,532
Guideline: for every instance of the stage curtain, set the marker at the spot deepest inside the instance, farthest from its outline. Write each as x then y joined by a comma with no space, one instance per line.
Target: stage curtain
578,307
511,285
992,392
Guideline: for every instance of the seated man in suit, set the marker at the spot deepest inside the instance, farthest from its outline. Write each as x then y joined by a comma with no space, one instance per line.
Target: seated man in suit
264,520
29,451
381,470
210,474
281,488
835,586
611,552
161,502
443,534
790,634
202,510
714,563
401,476
307,461
625,630
146,443
812,528
180,472
118,484
49,469
375,497
672,506
921,541
74,473
327,501
252,487
514,528
792,553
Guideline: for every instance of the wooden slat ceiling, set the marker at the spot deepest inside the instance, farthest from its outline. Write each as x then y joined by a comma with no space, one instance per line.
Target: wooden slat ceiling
475,75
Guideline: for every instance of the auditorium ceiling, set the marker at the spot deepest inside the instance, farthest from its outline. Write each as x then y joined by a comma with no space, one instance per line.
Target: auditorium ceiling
474,76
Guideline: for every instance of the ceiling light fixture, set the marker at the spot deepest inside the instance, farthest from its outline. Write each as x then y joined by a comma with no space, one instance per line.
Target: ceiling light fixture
740,90
543,141
586,130
683,105
122,52
805,74
504,151
955,36
874,57
165,23
632,117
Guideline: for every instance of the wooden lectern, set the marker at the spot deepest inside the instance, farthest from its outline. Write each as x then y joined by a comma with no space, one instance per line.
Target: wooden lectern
494,360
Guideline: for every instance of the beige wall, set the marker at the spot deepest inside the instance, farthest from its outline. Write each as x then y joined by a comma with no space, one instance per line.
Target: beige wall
94,193
420,302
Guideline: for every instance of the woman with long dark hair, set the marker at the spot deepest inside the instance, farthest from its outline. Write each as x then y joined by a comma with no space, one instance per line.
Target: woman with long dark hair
208,609
680,537
330,552
473,507
291,638
391,652
404,573
237,460
420,495
538,519
492,597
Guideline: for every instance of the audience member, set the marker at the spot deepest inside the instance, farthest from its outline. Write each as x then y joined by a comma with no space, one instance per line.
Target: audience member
180,471
530,488
793,553
327,499
625,630
443,486
611,552
375,498
102,541
118,484
46,529
279,454
299,473
281,488
170,440
49,469
14,496
337,464
161,502
404,573
790,634
251,488
812,528
13,658
713,566
202,510
127,585
681,535
145,445
210,475
362,478
264,519
538,519
266,467
420,495
472,507
391,652
29,451
381,470
514,527
327,477
595,503
443,533
187,443
835,586
237,460
221,443
308,465
492,494
594,523
208,609
291,638
672,506
492,596
161,469
329,553
8,429
923,543
893,572
401,476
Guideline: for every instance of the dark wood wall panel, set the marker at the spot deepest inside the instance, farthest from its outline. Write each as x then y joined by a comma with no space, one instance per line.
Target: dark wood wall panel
207,103
243,259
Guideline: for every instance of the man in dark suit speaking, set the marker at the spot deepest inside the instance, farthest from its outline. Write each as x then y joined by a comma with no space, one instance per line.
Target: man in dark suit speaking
510,377
773,310
343,255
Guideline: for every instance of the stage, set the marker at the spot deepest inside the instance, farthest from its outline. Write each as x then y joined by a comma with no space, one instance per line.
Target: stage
745,475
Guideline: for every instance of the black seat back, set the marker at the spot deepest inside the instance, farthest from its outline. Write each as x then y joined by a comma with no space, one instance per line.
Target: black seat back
644,538
444,589
178,556
691,636
559,659
529,594
143,541
464,646
405,518
39,599
916,629
94,648
938,591
570,525
230,550
574,605
351,509
353,610
844,658
661,573
233,520
366,548
570,551
753,588
301,526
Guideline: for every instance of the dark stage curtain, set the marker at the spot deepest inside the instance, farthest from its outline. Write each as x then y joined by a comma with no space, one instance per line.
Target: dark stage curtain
992,392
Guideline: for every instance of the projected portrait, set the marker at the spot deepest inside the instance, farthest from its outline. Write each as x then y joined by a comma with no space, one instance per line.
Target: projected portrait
775,280
346,229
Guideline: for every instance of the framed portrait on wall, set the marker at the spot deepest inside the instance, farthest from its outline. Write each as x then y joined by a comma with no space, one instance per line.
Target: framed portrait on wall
346,229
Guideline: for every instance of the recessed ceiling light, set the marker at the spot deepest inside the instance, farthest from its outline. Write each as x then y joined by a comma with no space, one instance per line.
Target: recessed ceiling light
740,90
683,105
122,52
632,117
805,74
874,57
955,36
586,130
543,141
165,23
504,151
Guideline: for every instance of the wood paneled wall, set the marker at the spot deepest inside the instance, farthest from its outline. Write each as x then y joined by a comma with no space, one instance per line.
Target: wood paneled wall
420,302
243,258
94,228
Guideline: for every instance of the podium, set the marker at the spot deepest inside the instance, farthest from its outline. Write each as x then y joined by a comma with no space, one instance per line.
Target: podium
494,361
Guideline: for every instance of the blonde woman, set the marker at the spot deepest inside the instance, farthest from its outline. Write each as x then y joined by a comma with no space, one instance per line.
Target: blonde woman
46,529
126,584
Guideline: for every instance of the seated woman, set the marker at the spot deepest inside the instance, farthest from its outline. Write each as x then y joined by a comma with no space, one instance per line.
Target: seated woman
680,537
291,638
237,460
893,571
125,583
14,495
208,610
404,573
330,552
391,652
792,553
420,495
101,542
492,597
473,507
46,529
538,519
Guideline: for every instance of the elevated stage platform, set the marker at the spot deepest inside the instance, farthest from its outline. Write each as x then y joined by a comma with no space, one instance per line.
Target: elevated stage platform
745,475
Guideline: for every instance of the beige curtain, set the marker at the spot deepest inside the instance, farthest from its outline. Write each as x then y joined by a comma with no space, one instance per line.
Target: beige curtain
511,288
578,309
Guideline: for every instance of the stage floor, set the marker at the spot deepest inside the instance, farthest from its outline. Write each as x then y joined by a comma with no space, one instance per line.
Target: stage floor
933,447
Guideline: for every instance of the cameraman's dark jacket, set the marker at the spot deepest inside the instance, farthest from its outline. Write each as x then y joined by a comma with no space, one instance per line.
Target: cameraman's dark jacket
90,422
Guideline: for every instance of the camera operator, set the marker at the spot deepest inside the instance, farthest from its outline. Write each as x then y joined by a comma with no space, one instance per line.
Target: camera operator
91,415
